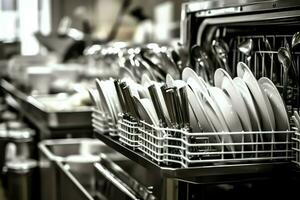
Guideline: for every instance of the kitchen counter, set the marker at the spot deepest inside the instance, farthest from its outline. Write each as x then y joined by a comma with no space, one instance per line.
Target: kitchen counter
51,124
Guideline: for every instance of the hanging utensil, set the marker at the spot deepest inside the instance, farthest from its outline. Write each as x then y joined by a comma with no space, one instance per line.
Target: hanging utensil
285,60
246,48
221,53
204,68
177,60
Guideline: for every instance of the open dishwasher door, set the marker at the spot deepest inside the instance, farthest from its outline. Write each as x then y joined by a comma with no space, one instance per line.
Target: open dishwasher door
262,34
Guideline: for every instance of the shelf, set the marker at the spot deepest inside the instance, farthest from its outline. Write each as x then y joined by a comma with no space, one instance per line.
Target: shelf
204,174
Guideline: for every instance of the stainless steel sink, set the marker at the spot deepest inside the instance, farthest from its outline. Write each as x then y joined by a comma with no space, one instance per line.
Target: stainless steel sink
55,165
87,169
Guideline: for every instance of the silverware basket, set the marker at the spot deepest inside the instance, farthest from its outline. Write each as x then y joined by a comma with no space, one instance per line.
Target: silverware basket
152,142
103,123
128,128
172,146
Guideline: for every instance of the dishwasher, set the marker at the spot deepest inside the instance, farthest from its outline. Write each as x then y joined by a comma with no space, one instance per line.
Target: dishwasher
260,36
256,33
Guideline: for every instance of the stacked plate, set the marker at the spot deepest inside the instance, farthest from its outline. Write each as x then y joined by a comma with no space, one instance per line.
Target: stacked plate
241,104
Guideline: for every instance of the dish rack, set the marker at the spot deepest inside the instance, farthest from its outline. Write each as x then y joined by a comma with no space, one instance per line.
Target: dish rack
296,147
128,131
103,123
175,147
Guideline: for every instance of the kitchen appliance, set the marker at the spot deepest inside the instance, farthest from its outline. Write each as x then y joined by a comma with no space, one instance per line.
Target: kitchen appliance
252,32
260,34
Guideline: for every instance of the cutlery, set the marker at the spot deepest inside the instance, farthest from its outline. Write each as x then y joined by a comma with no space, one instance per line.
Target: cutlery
185,108
130,102
297,123
157,105
297,116
170,106
177,60
284,58
120,96
273,73
246,48
221,53
178,108
203,65
295,43
295,39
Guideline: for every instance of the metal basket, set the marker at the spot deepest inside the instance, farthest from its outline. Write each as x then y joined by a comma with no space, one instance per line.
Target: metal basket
128,131
172,146
296,147
102,123
152,141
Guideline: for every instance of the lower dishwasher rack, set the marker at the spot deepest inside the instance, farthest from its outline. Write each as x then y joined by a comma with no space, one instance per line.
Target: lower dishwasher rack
201,174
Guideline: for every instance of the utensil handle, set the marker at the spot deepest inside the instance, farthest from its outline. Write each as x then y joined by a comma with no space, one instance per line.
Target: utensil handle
120,95
185,105
156,103
171,106
177,107
130,103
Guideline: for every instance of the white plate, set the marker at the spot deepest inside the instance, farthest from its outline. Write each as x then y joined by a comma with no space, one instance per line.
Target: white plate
169,80
224,81
252,111
105,103
215,115
260,98
114,96
109,97
188,73
231,118
147,103
95,98
281,116
198,109
146,111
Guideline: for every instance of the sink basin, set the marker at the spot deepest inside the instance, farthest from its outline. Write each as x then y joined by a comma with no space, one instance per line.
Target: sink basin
87,169
60,159
60,149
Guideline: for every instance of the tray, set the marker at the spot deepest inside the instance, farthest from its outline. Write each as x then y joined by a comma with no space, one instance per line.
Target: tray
38,115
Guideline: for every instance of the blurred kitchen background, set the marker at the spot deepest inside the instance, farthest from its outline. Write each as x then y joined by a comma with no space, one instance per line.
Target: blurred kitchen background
51,51
20,20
